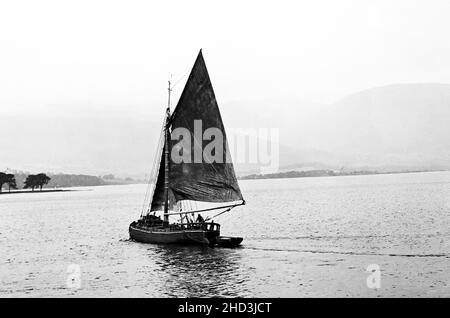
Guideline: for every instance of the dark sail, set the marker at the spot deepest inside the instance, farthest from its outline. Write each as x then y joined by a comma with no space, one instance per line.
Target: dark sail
204,180
158,199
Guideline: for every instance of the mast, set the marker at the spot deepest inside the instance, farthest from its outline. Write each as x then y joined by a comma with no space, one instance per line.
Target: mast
166,160
210,181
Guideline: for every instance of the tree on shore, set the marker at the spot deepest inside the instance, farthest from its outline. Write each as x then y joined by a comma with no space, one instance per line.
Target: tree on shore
38,180
11,181
3,180
30,182
108,177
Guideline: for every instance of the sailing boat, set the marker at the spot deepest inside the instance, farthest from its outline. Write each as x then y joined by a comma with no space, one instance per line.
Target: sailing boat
202,181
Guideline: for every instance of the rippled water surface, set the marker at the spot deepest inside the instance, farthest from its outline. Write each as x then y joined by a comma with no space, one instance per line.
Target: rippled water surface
302,237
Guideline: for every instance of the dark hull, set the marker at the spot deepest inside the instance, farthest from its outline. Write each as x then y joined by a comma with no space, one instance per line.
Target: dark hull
169,236
228,241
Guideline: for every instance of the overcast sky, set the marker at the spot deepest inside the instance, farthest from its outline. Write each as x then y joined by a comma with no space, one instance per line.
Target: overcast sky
64,55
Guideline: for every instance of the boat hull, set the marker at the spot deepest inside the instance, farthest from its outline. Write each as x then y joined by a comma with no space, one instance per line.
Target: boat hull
228,241
167,236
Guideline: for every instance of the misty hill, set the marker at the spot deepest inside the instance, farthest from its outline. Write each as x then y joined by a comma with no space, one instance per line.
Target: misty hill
403,125
89,145
390,128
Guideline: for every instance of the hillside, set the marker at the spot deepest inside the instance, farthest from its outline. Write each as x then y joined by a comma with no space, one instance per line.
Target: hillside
395,127
88,145
403,125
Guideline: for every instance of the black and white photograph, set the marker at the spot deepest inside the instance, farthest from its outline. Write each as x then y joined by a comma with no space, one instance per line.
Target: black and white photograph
198,150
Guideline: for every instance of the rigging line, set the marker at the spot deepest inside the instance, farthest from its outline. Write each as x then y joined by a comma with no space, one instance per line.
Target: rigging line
147,192
210,209
145,198
227,210
156,163
179,80
150,181
154,172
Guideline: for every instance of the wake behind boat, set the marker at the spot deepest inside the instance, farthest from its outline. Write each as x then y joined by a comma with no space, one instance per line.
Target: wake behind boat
192,174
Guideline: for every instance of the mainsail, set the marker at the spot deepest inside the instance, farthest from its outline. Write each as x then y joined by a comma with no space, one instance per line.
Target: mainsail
158,200
201,178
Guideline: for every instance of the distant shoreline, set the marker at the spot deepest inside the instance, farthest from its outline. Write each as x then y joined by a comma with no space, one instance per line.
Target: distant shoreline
37,191
62,181
323,173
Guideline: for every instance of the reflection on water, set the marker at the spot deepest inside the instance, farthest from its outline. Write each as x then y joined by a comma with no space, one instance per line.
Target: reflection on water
194,271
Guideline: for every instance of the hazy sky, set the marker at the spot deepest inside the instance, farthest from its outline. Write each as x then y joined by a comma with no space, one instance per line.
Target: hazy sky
117,54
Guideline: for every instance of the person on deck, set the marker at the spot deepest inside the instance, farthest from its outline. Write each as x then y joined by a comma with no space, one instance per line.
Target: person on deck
200,219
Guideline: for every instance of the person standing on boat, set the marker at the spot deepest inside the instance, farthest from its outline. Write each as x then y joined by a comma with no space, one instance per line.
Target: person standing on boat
200,219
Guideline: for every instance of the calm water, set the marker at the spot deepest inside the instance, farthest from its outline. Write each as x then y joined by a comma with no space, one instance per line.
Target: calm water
302,237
